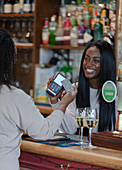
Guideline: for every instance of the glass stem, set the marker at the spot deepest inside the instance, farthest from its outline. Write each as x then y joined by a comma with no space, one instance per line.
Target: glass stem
90,137
81,134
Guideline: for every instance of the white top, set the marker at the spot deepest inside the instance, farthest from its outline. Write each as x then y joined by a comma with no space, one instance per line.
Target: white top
68,124
19,114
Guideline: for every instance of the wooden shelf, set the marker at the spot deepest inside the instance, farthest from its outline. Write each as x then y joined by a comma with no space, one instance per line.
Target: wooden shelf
24,45
17,15
61,47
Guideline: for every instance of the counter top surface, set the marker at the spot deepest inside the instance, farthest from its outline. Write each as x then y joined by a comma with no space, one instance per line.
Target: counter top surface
99,156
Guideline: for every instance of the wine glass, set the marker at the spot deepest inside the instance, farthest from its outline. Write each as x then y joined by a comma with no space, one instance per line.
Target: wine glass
80,114
90,121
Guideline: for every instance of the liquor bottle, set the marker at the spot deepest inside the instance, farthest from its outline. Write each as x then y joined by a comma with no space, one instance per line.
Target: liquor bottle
98,30
52,30
119,106
16,7
93,20
24,38
29,33
1,6
21,6
74,34
81,31
45,32
33,6
66,34
63,10
27,6
106,10
59,32
7,6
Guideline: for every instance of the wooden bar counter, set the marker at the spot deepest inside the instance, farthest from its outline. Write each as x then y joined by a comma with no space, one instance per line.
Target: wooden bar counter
76,155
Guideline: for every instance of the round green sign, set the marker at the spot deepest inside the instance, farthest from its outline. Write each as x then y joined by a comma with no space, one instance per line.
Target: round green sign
109,91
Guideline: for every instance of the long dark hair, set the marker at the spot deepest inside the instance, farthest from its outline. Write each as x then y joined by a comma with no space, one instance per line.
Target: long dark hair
7,59
107,72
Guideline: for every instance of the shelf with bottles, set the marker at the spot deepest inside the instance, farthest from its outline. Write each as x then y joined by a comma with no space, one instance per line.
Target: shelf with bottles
20,29
77,23
61,47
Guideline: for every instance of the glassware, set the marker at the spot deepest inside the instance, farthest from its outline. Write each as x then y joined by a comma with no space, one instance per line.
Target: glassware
80,114
90,121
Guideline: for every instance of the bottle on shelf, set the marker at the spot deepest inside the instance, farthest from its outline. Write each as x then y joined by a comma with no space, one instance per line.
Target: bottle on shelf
24,38
105,10
45,32
16,6
7,6
17,31
27,6
59,31
30,32
66,34
81,31
93,20
52,30
98,30
74,34
21,6
33,6
1,6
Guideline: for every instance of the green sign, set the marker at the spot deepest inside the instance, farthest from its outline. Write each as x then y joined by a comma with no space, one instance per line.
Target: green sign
109,91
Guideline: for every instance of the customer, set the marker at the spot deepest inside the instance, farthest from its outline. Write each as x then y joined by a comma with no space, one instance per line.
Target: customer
18,113
98,65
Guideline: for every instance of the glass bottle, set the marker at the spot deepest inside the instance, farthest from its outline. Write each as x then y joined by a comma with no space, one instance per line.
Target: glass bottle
24,39
45,32
81,31
59,32
33,6
27,6
7,7
1,6
98,30
74,34
52,30
16,6
66,34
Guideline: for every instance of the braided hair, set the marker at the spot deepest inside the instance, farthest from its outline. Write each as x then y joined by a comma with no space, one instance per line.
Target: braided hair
7,59
107,72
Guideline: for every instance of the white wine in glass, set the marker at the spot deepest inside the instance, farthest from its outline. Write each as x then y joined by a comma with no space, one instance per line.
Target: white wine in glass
79,120
91,120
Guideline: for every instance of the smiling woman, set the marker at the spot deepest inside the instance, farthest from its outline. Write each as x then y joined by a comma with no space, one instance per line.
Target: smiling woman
98,65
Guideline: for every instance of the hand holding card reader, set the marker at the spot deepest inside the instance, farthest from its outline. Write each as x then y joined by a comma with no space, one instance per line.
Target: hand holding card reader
56,85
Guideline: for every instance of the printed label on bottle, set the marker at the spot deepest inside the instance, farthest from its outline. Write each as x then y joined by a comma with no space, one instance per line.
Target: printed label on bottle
45,38
16,8
120,122
59,38
8,8
26,7
66,38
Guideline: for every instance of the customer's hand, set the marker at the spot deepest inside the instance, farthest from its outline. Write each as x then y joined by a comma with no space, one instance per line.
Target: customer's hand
54,99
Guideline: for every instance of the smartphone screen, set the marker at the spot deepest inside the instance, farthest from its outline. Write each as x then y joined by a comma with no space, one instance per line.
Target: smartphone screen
55,87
